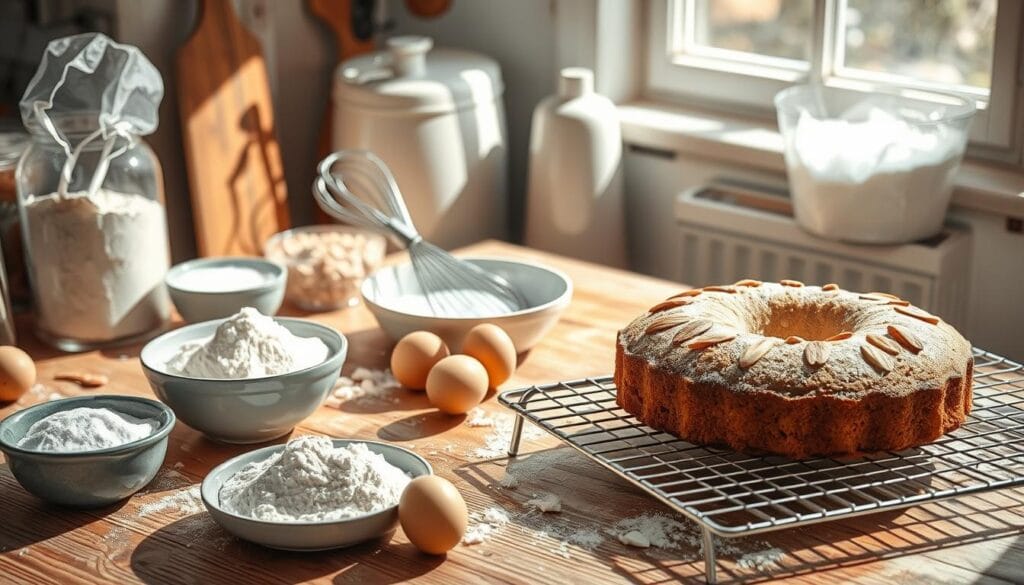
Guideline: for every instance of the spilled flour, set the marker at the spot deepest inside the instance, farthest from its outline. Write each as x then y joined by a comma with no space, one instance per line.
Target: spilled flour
484,525
183,502
364,384
497,441
478,417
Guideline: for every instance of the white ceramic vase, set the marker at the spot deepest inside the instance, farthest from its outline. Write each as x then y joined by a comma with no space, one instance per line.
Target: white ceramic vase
574,200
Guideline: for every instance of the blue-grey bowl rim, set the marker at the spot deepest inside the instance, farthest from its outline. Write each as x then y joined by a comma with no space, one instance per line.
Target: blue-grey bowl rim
331,356
166,425
268,450
280,273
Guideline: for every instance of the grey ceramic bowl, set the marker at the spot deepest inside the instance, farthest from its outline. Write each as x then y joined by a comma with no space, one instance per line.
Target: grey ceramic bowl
308,536
250,410
87,479
197,305
547,293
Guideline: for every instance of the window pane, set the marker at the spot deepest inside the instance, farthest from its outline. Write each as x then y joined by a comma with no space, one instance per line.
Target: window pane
940,41
774,28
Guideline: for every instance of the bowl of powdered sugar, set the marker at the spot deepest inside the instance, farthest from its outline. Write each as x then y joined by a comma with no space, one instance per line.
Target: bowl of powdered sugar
245,379
87,451
313,493
216,288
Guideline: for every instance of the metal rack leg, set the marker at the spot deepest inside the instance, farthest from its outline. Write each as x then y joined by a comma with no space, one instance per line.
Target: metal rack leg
710,570
517,434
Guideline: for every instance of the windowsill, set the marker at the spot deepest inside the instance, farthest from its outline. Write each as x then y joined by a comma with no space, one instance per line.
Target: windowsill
759,145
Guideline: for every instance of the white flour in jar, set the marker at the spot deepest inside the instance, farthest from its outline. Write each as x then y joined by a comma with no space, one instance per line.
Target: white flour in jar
98,263
247,345
85,429
312,481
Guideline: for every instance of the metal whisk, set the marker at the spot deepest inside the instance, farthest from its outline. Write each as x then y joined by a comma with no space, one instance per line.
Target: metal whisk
356,187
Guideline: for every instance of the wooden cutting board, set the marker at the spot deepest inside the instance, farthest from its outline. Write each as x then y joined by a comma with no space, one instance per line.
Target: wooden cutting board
337,15
236,178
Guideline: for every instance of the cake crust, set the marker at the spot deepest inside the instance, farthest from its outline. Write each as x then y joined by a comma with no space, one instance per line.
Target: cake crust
800,397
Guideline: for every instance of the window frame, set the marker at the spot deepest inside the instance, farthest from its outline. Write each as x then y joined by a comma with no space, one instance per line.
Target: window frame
727,80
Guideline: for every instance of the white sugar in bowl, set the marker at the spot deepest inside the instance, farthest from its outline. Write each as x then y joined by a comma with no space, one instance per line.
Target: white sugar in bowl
436,119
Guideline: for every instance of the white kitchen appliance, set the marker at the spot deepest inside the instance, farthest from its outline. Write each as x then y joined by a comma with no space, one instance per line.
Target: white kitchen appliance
436,119
729,231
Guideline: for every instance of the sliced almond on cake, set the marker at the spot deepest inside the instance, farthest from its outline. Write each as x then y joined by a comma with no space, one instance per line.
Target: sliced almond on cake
883,343
710,338
793,283
723,288
877,358
663,322
669,304
794,339
686,293
757,350
691,330
912,311
841,336
816,353
831,287
906,338
748,282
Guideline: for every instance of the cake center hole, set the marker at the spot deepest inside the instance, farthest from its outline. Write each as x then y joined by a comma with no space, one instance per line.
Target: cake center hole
811,321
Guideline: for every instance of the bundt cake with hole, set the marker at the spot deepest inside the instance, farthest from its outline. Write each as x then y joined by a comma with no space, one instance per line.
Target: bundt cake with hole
794,370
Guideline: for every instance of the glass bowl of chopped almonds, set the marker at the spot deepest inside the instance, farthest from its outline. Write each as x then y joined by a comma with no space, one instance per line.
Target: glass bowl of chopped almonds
326,263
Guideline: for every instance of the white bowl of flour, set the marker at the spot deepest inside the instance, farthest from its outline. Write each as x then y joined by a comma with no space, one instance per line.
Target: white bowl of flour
234,384
313,493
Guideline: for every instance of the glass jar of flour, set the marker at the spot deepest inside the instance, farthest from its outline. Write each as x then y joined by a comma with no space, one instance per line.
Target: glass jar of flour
90,195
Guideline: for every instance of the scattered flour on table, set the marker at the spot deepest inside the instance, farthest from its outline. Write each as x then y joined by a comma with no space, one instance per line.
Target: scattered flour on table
183,502
247,345
85,429
545,503
484,525
762,561
364,384
478,417
311,480
497,441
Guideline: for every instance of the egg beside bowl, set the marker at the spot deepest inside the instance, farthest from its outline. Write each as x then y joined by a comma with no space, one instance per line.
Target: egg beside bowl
87,479
547,293
248,410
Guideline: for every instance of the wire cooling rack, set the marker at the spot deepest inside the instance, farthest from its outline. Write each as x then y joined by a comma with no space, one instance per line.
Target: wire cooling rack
732,494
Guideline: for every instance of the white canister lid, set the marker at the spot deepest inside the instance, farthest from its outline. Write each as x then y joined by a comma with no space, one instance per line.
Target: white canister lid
411,76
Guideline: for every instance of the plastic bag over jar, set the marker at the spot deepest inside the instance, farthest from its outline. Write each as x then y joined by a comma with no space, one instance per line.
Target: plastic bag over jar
90,193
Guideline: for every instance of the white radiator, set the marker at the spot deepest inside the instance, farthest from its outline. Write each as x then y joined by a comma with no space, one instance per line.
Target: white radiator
729,231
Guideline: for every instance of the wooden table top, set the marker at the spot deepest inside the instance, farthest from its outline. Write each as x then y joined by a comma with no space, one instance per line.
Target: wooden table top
161,535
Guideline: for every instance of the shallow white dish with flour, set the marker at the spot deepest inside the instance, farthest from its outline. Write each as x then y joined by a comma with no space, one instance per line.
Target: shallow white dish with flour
308,536
395,298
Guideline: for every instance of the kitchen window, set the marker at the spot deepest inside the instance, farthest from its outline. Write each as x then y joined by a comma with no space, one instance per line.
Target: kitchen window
737,54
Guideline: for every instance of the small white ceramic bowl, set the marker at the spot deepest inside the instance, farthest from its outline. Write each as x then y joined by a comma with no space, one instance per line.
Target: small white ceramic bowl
308,536
196,305
547,292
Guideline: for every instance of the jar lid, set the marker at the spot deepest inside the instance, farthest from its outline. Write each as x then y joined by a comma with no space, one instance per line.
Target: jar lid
411,76
12,144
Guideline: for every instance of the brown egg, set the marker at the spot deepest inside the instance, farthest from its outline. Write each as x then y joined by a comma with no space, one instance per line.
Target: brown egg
17,373
433,514
457,384
414,356
493,348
